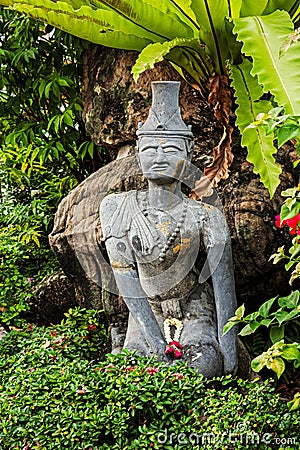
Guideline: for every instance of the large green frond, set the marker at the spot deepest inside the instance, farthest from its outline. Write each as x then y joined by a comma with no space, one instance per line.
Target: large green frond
211,17
253,7
286,5
184,6
260,146
114,23
157,16
184,53
234,8
101,27
262,39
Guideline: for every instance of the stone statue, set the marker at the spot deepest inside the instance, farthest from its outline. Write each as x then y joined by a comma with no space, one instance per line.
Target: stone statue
155,240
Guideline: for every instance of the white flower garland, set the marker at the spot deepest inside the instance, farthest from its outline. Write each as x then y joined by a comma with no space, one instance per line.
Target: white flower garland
172,322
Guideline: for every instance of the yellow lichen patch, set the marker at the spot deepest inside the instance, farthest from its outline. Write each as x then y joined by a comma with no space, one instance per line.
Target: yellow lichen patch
164,227
184,245
120,266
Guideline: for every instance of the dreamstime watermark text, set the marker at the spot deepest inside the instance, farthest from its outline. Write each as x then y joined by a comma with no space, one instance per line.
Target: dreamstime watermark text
238,435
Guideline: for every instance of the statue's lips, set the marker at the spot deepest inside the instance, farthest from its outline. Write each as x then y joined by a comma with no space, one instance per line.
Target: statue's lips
160,167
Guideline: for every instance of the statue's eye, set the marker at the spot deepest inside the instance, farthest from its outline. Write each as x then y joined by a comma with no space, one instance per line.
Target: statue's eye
171,150
149,150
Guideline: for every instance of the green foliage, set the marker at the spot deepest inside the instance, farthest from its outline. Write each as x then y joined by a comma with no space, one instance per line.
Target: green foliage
22,261
262,38
288,309
290,216
44,151
274,357
200,38
40,102
259,143
284,127
282,321
56,394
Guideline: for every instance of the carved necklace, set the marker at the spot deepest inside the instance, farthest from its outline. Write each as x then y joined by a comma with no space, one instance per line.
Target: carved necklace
172,235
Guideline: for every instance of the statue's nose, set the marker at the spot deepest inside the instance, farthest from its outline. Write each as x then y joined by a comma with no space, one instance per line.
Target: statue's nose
160,155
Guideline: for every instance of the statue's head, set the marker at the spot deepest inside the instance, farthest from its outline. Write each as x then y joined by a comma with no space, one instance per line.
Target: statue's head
164,141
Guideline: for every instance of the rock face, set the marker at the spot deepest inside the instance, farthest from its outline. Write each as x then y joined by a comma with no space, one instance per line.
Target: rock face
53,296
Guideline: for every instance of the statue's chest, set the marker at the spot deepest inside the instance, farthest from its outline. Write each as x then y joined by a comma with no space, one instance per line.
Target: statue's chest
172,235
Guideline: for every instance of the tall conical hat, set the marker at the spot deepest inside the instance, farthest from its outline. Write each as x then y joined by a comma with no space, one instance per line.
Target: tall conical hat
164,117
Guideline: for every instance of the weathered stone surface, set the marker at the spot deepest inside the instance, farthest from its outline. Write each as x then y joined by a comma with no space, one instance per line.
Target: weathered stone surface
53,296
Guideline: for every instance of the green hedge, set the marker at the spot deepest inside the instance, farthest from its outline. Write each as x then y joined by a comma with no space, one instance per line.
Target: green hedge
56,393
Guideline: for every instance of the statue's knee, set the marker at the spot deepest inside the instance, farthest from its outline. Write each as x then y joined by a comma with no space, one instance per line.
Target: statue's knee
206,358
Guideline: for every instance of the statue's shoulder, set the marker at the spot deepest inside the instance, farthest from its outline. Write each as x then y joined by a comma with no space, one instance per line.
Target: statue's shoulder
212,221
116,211
111,202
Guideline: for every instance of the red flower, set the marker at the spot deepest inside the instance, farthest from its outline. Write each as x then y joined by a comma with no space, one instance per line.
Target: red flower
178,376
278,222
91,327
82,391
152,370
174,349
109,368
293,223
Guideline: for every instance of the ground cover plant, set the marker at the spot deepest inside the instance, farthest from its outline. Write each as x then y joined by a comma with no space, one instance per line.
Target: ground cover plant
60,391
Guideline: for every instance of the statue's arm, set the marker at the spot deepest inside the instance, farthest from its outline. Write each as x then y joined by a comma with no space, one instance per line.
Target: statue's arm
129,285
219,256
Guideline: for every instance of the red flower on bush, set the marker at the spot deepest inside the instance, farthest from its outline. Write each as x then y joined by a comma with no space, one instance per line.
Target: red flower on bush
178,376
91,327
293,223
82,391
152,370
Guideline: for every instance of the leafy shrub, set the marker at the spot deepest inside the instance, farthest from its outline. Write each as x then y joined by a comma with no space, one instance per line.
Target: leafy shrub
280,315
22,261
56,393
290,216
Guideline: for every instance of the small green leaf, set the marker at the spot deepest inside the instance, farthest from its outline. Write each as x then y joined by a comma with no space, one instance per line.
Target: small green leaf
276,334
266,322
291,352
246,330
265,307
286,213
295,402
283,316
240,312
287,132
228,326
277,365
291,301
259,362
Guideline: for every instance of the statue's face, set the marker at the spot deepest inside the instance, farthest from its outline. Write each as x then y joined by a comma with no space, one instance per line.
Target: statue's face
162,159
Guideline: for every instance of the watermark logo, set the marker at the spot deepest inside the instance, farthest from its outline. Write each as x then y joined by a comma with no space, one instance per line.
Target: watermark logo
239,435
